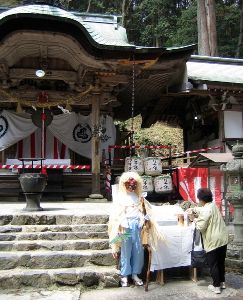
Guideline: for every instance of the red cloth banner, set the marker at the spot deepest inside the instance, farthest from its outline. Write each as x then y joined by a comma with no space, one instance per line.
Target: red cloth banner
191,179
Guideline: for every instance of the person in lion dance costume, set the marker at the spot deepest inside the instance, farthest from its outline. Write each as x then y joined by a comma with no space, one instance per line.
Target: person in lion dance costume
131,227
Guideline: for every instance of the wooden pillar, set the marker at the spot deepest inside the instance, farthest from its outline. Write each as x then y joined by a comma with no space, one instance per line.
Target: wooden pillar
95,147
2,157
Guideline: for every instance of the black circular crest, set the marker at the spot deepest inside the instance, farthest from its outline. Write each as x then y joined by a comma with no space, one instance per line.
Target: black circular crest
82,133
37,117
3,126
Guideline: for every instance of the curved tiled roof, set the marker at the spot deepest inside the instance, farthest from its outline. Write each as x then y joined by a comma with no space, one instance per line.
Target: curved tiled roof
103,30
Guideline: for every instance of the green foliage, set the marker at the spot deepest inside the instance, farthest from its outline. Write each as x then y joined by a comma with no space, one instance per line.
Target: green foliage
156,19
228,20
185,31
103,6
158,134
10,2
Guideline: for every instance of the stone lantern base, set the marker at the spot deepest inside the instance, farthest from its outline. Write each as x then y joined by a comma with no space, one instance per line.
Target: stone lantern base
234,259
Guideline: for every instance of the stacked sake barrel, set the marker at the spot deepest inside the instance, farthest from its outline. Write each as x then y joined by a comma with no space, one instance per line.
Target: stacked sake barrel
150,169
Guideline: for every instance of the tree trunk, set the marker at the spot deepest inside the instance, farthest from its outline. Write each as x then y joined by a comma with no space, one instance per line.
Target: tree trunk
211,22
240,39
89,5
125,11
203,41
207,35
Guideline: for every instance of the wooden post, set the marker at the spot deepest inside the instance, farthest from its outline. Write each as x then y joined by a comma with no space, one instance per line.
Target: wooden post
95,147
188,159
194,274
209,174
2,157
160,277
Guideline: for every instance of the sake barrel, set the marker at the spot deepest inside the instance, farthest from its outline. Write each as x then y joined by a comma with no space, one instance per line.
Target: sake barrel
147,183
163,184
134,164
152,166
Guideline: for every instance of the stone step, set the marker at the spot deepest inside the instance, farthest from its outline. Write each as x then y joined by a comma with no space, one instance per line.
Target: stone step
42,249
53,235
54,228
55,259
50,219
38,278
59,245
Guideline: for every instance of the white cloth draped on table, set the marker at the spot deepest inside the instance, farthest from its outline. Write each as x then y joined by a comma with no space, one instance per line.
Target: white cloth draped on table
176,252
73,130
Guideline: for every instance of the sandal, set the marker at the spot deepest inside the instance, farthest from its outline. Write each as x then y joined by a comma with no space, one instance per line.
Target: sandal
124,282
137,281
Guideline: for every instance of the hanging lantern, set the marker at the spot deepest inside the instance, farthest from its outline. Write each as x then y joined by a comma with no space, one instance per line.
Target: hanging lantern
147,184
163,184
153,166
134,164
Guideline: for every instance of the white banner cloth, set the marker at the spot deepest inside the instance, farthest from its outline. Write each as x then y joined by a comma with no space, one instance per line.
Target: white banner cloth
14,127
73,130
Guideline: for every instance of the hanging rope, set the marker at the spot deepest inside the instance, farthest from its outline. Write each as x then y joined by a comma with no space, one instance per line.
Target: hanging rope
133,99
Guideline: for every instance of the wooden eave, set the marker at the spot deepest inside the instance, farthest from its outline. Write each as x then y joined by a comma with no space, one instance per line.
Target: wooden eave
155,68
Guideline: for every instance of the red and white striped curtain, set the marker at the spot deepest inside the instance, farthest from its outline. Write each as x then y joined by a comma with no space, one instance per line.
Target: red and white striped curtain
191,179
31,146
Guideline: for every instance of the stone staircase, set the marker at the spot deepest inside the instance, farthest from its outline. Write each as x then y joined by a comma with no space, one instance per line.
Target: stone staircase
38,250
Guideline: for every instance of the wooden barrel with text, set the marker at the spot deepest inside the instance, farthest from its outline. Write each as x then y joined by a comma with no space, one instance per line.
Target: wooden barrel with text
147,183
153,166
134,164
163,184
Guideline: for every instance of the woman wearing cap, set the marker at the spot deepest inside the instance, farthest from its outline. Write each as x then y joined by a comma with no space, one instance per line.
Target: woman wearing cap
128,216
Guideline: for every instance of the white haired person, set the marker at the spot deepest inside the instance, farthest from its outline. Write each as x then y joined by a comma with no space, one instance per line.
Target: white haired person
130,212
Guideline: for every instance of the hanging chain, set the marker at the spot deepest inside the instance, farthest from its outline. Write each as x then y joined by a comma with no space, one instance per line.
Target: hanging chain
133,99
